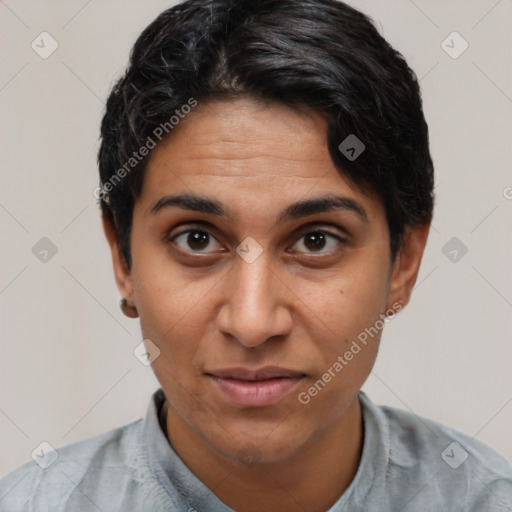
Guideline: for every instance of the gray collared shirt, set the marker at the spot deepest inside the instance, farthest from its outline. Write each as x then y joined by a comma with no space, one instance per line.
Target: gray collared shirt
408,463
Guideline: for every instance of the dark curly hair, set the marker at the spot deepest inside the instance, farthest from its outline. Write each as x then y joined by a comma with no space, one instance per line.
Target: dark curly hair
316,54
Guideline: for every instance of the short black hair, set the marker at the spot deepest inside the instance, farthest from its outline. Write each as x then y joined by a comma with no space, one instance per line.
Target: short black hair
318,54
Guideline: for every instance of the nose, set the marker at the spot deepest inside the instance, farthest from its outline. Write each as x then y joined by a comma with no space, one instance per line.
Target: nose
257,304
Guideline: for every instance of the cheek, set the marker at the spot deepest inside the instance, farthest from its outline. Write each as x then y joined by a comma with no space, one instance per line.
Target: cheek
165,293
345,324
169,308
345,356
348,302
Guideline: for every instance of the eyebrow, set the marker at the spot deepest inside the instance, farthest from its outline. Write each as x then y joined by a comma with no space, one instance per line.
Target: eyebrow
209,206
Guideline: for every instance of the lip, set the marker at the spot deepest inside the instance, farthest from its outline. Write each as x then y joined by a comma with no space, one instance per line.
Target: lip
255,388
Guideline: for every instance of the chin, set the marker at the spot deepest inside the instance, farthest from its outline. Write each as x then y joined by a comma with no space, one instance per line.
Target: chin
255,446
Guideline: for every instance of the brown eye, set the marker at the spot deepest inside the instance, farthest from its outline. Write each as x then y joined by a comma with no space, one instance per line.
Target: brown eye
316,241
195,240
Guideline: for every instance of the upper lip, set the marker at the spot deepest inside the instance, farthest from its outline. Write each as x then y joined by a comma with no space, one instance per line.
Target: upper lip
266,372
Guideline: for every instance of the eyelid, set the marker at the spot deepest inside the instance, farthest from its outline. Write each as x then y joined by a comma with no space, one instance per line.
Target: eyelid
307,228
342,235
296,235
171,239
341,242
319,226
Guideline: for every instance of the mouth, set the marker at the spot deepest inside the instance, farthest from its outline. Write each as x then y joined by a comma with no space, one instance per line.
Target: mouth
255,388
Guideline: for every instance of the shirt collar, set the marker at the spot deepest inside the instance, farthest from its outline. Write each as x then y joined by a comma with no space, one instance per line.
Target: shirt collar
187,490
179,482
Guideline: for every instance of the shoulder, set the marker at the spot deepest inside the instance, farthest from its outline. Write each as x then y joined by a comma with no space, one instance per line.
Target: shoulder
72,473
434,463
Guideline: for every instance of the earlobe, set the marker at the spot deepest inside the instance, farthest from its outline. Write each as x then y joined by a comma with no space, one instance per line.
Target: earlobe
121,271
407,264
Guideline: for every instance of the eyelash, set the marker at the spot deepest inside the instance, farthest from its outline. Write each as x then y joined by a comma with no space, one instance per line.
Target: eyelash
304,234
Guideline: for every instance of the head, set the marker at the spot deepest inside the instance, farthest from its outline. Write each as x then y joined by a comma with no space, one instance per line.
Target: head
243,228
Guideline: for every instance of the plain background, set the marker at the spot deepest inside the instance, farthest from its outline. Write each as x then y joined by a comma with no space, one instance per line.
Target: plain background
67,367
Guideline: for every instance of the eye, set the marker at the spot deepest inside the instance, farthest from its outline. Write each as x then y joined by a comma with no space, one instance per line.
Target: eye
199,240
196,240
315,241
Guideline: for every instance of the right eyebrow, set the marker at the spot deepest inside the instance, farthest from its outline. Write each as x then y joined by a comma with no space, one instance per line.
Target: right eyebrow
192,202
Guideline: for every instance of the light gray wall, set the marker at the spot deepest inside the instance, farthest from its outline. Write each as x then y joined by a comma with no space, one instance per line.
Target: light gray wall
67,368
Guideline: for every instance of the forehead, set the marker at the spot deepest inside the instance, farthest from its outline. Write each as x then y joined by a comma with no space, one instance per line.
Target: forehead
238,135
247,154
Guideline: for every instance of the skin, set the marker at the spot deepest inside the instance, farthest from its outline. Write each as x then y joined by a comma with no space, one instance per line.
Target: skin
297,305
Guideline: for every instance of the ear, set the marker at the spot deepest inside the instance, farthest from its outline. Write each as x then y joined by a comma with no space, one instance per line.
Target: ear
407,263
121,271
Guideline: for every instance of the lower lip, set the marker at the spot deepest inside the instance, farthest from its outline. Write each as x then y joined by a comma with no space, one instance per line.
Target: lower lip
255,393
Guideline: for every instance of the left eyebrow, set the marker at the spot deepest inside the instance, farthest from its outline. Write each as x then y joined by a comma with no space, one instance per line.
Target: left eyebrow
294,211
322,204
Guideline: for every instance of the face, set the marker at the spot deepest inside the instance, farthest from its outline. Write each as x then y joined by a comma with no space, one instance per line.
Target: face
252,301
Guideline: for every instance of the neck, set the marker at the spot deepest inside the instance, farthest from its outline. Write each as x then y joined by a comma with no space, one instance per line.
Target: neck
312,479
